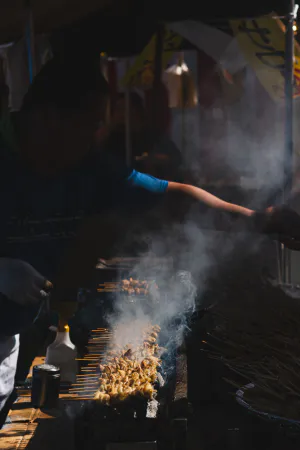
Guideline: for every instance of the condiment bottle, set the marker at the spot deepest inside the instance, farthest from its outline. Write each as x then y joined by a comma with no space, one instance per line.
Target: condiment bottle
45,386
63,353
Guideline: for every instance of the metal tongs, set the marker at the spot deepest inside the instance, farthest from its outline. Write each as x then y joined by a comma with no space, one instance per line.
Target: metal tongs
45,305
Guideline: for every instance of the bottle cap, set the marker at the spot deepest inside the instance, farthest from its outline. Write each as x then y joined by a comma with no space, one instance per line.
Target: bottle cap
45,368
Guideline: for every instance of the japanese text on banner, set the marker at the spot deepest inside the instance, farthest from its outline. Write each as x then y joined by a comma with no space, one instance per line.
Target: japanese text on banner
262,41
141,73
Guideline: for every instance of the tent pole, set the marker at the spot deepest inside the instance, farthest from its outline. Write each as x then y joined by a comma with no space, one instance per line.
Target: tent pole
157,73
30,41
289,142
128,120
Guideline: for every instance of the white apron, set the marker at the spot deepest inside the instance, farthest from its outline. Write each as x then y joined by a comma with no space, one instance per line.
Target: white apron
9,351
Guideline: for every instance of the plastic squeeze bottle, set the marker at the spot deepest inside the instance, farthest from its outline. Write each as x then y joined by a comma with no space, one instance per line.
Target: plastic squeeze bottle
63,353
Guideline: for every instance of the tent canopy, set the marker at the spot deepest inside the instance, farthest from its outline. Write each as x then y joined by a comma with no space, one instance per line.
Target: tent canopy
50,15
47,14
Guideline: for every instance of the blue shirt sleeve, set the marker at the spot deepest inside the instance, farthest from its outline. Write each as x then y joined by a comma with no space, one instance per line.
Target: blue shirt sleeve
151,184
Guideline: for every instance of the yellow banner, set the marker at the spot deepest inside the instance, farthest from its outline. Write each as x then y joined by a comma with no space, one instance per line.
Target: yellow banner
297,75
141,73
262,42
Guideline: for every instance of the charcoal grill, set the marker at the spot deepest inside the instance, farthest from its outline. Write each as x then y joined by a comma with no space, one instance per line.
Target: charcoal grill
135,422
130,422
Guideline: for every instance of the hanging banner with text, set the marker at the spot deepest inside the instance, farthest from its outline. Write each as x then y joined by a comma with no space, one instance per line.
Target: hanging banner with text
262,42
297,74
141,73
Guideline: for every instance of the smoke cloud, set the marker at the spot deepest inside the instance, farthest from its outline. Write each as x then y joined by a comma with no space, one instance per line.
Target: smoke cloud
237,140
249,151
191,258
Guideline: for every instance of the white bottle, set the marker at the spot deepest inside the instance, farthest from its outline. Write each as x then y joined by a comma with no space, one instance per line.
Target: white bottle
62,353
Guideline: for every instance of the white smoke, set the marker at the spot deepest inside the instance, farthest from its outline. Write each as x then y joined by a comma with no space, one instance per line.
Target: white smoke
238,140
190,256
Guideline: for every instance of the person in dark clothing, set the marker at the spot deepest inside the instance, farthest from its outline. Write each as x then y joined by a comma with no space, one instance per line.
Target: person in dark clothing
22,291
54,177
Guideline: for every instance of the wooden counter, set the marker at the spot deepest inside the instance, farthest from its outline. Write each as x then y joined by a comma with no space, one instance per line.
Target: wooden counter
33,429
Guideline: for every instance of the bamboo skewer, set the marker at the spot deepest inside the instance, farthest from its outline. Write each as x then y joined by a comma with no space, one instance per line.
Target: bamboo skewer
86,375
97,345
84,385
86,359
99,339
92,358
102,330
259,340
83,389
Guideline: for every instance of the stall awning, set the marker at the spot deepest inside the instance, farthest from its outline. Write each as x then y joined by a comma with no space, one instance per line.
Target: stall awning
52,14
48,15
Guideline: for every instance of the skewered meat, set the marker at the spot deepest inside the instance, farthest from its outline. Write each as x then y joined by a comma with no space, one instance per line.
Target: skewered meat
132,371
137,287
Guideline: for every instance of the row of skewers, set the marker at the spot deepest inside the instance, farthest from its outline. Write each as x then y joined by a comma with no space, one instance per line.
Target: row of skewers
258,338
131,370
129,287
87,381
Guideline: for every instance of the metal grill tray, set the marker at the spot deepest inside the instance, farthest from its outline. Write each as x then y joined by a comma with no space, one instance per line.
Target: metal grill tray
98,424
239,395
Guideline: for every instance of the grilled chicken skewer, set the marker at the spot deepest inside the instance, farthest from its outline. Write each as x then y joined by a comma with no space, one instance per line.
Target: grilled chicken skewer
137,287
130,371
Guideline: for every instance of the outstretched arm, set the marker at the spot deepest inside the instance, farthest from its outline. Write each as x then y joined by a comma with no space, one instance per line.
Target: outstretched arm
152,184
207,198
280,221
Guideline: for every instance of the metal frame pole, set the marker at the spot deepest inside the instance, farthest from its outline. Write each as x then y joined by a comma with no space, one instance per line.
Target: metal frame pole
128,121
159,43
289,142
30,41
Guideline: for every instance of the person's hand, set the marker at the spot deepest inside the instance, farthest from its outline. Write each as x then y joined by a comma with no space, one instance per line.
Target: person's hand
281,221
22,291
270,209
21,283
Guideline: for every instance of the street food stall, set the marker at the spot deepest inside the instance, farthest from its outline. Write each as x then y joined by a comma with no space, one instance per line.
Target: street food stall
127,394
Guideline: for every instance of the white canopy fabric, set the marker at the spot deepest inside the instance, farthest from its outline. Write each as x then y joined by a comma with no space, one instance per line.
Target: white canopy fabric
16,67
220,46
